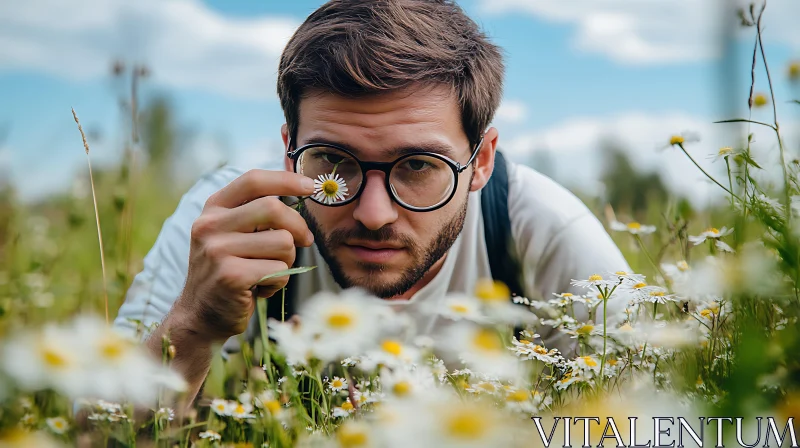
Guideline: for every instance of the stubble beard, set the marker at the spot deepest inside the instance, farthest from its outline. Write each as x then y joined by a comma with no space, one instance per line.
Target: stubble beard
421,260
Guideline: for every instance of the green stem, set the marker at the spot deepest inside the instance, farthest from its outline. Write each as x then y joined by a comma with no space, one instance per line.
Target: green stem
730,182
261,309
649,258
680,145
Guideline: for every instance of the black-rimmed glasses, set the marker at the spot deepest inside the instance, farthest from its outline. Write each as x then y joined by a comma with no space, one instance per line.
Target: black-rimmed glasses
420,181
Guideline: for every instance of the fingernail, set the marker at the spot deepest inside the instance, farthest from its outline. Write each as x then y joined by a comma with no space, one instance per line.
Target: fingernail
307,183
310,236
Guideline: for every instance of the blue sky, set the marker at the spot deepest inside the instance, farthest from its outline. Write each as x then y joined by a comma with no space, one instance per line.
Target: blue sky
577,71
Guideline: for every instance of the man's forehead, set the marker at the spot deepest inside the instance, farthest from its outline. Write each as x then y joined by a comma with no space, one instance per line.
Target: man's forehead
428,118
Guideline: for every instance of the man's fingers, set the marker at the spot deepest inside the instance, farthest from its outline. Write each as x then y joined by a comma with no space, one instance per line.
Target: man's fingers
266,213
268,245
243,273
259,183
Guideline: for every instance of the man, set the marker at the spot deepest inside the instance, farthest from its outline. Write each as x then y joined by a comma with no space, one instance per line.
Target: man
388,105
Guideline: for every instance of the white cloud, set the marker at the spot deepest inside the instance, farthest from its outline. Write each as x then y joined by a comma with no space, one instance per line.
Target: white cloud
654,31
511,111
185,43
573,148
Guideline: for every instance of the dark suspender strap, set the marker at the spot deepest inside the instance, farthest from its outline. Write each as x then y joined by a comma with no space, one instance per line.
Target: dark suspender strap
497,228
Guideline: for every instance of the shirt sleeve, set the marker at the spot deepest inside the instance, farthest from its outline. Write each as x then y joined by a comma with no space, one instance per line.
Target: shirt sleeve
558,239
158,285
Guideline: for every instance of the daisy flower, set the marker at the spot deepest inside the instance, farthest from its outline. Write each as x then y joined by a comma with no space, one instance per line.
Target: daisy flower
458,307
721,245
723,152
338,326
211,435
628,277
58,425
593,281
336,384
329,188
407,382
569,379
677,271
391,353
577,330
633,227
344,410
481,350
355,434
520,400
564,299
241,410
221,407
526,349
586,364
710,233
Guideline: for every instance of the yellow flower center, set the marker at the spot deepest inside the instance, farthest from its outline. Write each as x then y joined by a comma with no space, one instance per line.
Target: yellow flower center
595,278
330,187
350,436
340,321
487,340
657,293
466,424
760,100
273,406
540,350
682,266
589,361
639,285
492,291
347,406
626,327
713,230
525,342
676,140
612,362
488,387
112,348
337,383
518,396
634,225
220,407
566,294
794,71
699,381
402,388
392,347
239,409
621,272
725,150
584,330
706,313
459,308
52,358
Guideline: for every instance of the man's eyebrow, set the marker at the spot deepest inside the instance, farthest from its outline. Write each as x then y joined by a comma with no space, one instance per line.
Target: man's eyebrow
434,147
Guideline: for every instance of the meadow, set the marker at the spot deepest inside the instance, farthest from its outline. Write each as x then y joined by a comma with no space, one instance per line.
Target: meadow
709,326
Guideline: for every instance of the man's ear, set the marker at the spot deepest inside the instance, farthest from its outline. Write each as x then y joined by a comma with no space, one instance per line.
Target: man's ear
484,161
288,165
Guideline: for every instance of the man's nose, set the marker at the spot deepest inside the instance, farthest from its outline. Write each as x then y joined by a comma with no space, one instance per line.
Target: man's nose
375,208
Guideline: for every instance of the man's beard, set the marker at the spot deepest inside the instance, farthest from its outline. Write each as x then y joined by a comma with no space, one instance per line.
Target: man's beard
421,260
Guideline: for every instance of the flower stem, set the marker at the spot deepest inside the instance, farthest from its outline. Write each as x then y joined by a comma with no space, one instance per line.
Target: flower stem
680,145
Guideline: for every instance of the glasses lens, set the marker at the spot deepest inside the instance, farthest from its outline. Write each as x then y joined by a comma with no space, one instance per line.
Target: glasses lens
421,181
336,174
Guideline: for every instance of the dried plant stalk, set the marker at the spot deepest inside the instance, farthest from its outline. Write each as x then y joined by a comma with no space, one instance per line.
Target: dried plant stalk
96,212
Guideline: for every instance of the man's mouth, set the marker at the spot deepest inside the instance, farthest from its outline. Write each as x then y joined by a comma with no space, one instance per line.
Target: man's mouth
374,252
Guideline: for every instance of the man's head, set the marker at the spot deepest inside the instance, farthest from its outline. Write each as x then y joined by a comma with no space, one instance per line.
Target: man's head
380,79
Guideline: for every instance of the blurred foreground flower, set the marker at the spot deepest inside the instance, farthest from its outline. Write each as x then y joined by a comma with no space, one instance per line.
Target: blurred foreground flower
86,359
633,227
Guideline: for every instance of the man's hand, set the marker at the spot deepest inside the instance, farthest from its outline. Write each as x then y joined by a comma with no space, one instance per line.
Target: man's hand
243,234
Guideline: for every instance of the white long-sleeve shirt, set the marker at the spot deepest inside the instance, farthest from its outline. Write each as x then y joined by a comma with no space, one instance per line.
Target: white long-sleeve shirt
555,236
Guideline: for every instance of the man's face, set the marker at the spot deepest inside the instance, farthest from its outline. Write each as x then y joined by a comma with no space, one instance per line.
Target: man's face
373,242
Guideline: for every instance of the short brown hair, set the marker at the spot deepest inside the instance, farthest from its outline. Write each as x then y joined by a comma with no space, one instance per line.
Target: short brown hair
361,47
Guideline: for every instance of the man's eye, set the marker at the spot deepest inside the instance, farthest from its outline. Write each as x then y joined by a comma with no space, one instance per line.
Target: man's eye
333,158
417,165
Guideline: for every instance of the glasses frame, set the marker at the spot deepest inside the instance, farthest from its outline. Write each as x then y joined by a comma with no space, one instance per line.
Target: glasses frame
386,169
